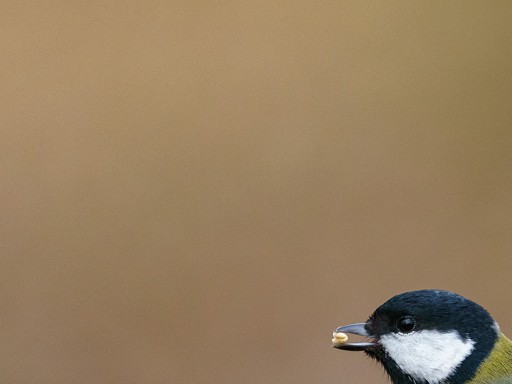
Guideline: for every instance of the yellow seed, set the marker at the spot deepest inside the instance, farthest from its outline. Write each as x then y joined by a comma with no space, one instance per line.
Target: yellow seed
340,337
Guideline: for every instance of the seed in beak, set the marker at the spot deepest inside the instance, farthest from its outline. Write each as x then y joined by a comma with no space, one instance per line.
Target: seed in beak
339,338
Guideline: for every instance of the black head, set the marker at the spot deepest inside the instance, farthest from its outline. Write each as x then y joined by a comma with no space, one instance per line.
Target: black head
429,336
434,310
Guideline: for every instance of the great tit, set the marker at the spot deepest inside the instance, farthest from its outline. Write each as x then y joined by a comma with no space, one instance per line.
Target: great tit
433,337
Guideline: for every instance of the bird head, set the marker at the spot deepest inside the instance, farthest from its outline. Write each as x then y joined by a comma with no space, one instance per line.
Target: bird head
426,337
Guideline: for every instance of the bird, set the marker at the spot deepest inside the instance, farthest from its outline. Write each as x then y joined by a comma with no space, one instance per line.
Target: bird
433,336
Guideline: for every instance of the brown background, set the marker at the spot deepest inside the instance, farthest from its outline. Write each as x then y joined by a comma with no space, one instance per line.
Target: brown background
200,191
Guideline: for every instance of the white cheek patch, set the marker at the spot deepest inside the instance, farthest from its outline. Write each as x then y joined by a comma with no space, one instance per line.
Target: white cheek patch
429,356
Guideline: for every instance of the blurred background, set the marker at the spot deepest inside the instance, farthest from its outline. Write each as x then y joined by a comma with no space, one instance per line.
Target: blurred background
201,191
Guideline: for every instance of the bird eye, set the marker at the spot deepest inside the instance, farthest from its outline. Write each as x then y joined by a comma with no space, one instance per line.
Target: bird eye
406,324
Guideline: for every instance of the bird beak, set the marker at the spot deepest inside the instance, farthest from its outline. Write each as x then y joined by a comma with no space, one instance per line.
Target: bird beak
356,329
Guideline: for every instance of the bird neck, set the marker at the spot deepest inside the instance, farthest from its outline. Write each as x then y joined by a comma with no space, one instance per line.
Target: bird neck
497,367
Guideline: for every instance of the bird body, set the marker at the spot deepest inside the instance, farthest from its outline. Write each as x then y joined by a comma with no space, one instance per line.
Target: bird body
498,364
433,337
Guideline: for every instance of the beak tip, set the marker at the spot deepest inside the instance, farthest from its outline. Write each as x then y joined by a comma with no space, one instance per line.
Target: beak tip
356,329
340,339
